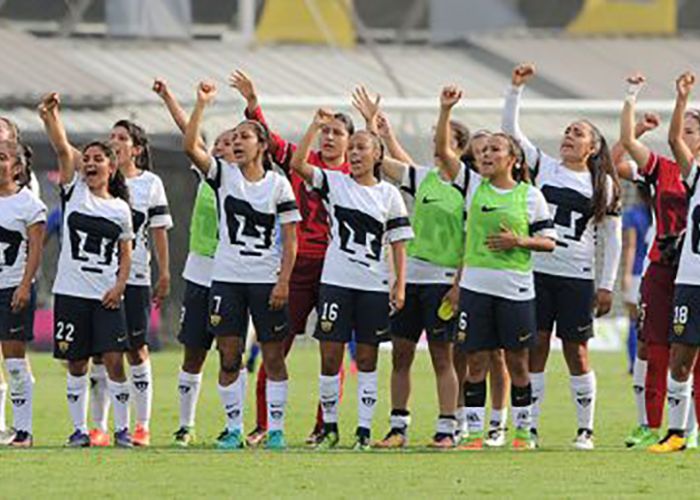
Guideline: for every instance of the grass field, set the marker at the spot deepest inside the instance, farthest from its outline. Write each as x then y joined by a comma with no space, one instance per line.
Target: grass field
48,470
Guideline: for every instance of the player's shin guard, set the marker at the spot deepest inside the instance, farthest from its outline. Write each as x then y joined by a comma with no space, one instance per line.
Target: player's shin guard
537,383
583,392
521,406
188,387
119,395
276,394
475,403
233,405
639,373
99,396
366,398
678,397
142,392
329,396
21,393
77,395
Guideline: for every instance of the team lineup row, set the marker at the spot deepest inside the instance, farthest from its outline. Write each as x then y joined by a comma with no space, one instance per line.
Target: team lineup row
485,252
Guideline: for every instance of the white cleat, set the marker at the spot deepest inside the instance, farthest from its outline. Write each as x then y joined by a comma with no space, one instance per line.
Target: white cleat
6,437
496,438
584,440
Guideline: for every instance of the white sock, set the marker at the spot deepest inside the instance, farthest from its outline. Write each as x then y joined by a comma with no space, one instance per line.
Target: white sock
77,395
276,394
188,386
461,416
475,416
329,396
498,418
537,382
366,398
21,393
446,426
233,406
243,377
692,420
522,416
583,392
639,374
400,422
99,396
142,392
119,394
3,401
678,398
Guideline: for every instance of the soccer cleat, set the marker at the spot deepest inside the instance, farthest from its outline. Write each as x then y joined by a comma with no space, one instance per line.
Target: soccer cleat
315,435
141,436
523,440
691,440
230,440
184,436
99,438
669,444
275,441
6,436
534,435
78,439
362,439
122,439
442,441
650,438
584,440
636,436
473,442
396,438
22,440
327,440
495,438
256,437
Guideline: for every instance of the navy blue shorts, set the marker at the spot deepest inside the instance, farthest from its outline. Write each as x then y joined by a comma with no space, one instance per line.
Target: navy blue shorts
230,304
566,302
343,311
137,305
486,322
84,328
420,313
16,326
194,317
686,315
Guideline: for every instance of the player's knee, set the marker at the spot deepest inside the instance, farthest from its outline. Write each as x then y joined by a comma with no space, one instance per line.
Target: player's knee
275,366
137,356
194,360
78,368
402,358
230,362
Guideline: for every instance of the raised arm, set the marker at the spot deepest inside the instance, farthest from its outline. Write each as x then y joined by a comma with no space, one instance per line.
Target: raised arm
367,106
449,96
68,156
298,162
178,114
628,131
681,151
510,121
624,167
201,159
394,147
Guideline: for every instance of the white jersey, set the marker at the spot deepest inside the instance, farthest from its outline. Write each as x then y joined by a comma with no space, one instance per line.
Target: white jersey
198,269
689,266
250,217
363,219
420,271
149,208
92,229
17,213
508,283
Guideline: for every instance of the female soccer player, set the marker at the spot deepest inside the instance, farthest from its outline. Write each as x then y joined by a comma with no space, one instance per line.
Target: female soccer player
312,232
251,275
22,227
355,294
670,207
434,256
194,331
685,333
93,269
583,190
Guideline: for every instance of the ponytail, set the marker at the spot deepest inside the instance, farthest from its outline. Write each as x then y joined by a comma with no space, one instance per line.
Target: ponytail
600,165
144,161
117,186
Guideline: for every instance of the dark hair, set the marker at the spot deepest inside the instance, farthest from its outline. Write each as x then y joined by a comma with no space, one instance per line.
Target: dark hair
601,167
117,186
346,121
521,171
144,160
461,133
20,177
263,135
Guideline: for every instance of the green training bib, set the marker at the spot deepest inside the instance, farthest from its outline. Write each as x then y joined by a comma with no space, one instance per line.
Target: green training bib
204,225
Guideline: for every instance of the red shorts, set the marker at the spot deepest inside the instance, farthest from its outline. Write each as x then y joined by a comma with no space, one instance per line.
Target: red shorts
656,307
303,291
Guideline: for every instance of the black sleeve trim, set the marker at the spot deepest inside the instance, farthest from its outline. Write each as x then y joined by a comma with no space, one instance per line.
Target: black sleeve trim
535,169
158,210
325,188
215,183
693,185
535,227
397,223
286,206
411,188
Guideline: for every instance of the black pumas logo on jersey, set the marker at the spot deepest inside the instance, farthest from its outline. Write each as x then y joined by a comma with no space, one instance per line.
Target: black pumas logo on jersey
365,230
244,222
10,242
572,211
138,220
92,240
